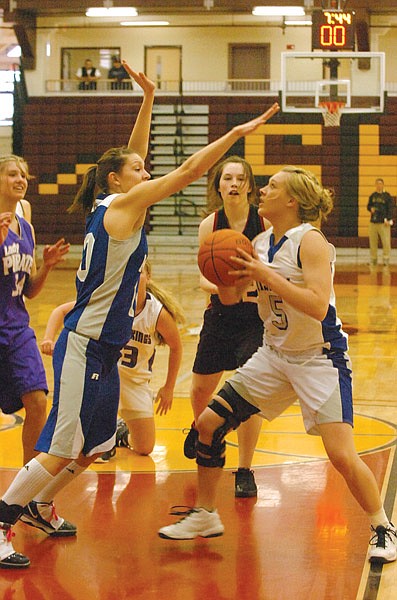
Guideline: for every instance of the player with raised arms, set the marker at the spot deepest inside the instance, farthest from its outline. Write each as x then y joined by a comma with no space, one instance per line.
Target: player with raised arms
83,419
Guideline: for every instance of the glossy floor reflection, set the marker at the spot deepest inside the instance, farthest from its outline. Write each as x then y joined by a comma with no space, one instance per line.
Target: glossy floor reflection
303,538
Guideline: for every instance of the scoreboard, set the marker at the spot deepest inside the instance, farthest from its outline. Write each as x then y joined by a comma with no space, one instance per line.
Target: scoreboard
332,30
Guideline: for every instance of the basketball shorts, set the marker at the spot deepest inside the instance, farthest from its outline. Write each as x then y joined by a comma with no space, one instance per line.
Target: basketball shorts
21,370
228,338
322,383
83,417
136,399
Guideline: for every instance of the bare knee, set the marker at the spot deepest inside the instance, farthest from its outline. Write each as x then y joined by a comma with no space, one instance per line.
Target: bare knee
143,449
343,461
35,404
206,426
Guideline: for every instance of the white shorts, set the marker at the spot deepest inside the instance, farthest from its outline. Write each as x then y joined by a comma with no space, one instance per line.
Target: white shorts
322,383
136,399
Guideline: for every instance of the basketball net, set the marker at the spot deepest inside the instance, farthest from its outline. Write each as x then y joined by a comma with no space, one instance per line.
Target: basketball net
332,112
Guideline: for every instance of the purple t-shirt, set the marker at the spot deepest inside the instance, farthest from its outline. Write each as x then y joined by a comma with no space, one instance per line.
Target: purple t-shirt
16,256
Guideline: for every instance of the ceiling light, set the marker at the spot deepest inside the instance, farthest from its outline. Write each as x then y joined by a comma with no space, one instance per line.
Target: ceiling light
14,52
278,11
112,11
144,23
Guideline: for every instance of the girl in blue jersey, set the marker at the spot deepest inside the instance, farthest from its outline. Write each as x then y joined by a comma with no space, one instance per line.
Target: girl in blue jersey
304,356
157,315
83,420
23,381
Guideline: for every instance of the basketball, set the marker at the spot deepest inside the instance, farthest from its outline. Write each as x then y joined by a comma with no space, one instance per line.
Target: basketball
214,255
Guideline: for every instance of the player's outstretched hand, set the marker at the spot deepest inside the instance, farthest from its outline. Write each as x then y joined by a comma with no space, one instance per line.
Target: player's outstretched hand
251,126
140,78
54,254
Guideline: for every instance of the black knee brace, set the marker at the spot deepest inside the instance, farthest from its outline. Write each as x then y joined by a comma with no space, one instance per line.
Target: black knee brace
214,455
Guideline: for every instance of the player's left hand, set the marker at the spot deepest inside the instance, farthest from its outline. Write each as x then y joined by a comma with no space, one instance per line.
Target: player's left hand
248,268
54,254
140,78
164,400
5,222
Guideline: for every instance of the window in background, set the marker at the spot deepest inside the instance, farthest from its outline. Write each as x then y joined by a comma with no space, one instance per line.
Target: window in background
7,79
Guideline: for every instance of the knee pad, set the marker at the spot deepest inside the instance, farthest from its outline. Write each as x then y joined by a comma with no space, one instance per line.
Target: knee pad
214,455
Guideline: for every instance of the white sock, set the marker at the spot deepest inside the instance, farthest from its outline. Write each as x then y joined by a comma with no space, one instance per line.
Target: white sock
379,518
58,482
29,481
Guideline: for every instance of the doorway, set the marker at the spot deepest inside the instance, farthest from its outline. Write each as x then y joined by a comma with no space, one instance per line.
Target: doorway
163,64
249,61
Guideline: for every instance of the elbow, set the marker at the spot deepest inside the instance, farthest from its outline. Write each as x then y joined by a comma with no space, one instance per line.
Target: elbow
29,292
190,172
320,312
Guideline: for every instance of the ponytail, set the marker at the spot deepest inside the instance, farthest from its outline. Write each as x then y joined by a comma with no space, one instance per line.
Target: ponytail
85,197
96,178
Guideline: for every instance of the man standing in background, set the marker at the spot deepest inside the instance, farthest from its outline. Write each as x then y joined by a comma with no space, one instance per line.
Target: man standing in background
380,205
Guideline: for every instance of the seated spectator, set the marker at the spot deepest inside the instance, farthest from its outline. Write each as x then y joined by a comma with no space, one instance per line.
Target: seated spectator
88,76
119,76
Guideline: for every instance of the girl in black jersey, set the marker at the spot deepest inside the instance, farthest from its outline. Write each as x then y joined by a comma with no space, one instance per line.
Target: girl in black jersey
230,333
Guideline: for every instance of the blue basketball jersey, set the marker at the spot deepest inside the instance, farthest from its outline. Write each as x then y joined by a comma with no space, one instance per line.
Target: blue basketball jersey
16,257
107,281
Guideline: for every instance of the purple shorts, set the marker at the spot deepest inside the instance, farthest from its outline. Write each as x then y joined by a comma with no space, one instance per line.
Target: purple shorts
21,370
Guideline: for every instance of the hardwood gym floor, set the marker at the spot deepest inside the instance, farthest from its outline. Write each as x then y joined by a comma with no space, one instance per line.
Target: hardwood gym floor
303,538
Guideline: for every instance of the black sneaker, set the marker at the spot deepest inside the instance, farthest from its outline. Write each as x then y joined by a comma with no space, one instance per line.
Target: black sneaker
122,434
245,486
53,525
106,456
9,559
189,446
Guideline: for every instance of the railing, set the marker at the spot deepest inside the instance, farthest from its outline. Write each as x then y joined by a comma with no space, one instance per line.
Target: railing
187,87
169,87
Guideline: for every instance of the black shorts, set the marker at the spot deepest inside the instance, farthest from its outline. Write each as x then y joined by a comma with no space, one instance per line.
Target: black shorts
229,337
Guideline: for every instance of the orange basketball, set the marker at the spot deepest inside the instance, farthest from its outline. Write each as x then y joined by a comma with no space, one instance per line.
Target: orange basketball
214,255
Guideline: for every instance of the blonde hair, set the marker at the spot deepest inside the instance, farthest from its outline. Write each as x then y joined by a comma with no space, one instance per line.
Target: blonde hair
214,198
170,304
314,201
20,162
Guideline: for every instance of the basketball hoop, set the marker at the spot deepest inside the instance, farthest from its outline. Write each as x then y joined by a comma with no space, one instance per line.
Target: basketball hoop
332,112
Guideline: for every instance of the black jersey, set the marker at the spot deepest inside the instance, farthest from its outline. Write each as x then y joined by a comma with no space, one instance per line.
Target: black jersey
253,226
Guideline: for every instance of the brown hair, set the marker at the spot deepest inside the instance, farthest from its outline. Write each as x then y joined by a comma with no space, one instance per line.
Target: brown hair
214,199
95,179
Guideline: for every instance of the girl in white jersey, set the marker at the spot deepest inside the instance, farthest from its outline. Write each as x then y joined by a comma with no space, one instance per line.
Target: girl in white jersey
304,356
156,320
83,419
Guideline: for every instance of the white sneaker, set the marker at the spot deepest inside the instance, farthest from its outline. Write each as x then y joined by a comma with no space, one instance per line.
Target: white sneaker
198,523
383,544
9,559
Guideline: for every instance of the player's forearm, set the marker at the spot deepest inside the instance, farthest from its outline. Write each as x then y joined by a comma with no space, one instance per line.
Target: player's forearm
174,363
140,135
36,282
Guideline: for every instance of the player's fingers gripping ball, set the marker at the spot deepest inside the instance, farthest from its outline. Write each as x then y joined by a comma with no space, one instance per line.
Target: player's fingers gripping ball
214,255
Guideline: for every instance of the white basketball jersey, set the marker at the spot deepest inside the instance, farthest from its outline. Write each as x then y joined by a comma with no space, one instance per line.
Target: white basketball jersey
286,328
138,354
